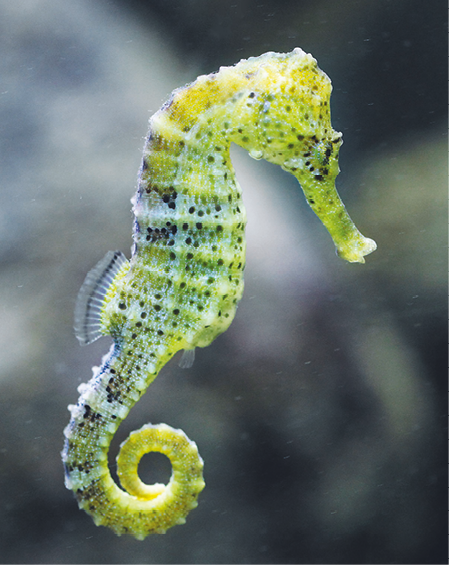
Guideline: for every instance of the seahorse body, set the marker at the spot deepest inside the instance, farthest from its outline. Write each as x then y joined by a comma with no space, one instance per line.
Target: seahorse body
181,287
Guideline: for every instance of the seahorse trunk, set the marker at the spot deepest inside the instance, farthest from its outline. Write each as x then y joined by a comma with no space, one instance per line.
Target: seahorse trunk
192,222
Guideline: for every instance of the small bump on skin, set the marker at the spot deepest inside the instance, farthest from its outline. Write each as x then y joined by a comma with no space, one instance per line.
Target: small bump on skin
181,287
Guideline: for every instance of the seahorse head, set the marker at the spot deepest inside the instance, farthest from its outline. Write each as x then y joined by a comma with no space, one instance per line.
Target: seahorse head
289,104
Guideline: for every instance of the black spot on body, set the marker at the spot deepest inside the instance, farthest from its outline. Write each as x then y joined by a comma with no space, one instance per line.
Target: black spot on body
90,415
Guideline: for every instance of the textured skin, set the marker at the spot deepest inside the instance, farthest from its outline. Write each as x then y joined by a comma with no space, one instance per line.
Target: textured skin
181,287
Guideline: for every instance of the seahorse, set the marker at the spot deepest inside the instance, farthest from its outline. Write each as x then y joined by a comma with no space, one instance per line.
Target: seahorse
181,287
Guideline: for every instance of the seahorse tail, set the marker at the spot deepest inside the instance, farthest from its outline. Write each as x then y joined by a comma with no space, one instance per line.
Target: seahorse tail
143,509
162,506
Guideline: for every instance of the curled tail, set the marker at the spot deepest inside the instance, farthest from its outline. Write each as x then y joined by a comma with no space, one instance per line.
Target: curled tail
142,509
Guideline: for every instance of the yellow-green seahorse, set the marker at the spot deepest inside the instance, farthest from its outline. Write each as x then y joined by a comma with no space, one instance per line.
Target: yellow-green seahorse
181,287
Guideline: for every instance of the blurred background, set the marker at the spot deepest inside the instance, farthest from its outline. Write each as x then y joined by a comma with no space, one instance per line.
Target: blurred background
321,412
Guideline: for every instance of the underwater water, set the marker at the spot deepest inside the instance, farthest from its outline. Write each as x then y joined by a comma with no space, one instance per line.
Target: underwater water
321,413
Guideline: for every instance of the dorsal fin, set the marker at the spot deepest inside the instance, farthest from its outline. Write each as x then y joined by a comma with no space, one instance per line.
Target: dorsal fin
90,297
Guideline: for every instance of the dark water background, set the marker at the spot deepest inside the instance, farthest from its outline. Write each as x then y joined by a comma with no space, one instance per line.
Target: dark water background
321,413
